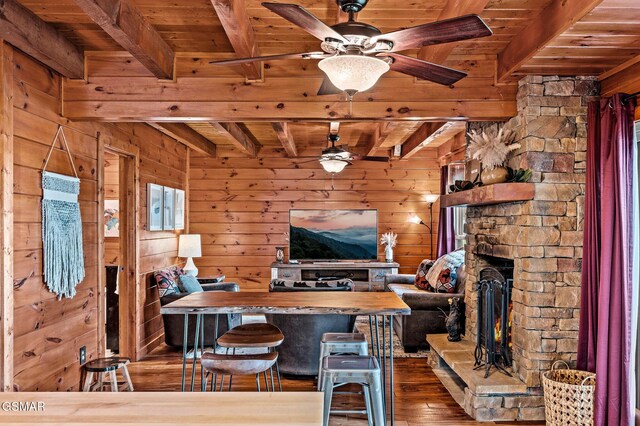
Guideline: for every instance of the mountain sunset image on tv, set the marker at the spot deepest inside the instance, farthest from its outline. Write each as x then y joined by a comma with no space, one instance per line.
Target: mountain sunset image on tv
333,234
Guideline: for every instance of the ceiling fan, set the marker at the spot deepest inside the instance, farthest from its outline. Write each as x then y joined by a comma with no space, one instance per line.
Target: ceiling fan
355,54
334,159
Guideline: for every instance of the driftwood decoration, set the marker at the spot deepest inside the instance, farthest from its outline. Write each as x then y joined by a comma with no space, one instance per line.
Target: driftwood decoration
61,227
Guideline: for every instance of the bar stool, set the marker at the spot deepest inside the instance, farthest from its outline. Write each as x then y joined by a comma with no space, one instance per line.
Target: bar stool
102,366
364,370
255,335
219,364
341,344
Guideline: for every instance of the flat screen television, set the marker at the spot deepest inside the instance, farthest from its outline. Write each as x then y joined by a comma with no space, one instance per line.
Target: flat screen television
333,235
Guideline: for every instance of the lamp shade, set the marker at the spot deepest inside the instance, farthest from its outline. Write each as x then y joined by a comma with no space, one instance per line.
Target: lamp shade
414,219
431,198
189,245
333,165
353,73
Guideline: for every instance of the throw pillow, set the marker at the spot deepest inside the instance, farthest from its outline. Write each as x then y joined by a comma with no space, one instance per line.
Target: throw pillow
166,280
190,284
442,276
421,275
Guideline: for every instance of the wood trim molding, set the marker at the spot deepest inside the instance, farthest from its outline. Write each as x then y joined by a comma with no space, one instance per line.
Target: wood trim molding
6,216
235,22
129,28
26,31
286,138
186,136
237,137
555,19
420,138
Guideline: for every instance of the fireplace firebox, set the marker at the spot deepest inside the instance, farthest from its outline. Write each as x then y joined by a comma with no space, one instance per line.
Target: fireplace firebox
493,345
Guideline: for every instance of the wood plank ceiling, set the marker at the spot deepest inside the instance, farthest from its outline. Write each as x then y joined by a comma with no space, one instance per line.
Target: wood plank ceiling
274,106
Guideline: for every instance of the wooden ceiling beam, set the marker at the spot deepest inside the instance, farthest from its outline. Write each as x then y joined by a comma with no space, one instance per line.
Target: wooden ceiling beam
552,21
187,136
234,134
624,78
285,137
453,150
235,22
381,132
129,28
420,138
26,31
453,8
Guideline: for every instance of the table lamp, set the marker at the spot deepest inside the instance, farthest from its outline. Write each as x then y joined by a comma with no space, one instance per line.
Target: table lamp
189,246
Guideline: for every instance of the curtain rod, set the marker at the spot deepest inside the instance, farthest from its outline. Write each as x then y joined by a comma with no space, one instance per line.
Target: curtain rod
631,96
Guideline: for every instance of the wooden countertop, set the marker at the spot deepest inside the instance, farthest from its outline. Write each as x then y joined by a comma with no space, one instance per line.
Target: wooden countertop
298,302
164,408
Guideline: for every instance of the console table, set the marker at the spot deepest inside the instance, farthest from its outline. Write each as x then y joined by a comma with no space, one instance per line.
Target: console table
367,276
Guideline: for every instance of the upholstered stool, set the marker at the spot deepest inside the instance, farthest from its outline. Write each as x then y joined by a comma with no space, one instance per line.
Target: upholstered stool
254,335
102,366
341,344
364,370
219,364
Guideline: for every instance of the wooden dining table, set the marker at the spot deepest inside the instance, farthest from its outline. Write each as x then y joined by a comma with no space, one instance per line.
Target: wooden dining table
373,304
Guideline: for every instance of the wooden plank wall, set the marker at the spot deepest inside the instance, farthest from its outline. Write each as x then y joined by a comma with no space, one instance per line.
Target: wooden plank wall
111,192
49,332
241,206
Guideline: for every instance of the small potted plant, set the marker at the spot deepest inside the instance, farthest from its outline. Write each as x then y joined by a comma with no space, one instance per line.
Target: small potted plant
389,240
491,147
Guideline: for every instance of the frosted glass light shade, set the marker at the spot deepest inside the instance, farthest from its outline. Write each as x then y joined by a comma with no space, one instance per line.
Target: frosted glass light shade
431,198
333,166
189,245
414,219
353,73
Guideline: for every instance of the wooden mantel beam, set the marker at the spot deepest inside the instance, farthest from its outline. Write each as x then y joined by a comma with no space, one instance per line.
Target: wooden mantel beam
26,31
552,21
187,136
234,134
129,28
286,138
453,8
420,138
236,24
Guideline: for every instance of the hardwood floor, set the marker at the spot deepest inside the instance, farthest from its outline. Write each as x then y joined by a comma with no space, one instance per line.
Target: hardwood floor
420,397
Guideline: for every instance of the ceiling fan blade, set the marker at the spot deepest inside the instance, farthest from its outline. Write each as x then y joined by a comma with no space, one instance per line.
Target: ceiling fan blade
445,31
425,70
368,158
307,55
327,88
305,20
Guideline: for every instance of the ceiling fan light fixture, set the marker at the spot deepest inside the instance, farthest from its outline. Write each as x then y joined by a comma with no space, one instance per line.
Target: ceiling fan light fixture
353,73
333,165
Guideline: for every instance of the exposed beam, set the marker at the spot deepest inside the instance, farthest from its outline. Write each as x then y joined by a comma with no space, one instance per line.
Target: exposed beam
286,138
129,28
237,137
453,8
624,78
552,21
420,138
26,31
452,150
187,136
236,24
6,216
381,132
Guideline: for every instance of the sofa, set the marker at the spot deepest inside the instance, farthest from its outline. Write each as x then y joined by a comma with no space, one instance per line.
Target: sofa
299,354
427,309
174,323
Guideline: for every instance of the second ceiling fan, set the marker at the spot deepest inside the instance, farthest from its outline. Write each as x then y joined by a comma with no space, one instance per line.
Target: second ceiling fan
355,54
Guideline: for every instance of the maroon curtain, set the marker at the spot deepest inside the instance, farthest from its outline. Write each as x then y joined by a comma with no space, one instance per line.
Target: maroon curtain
446,233
604,343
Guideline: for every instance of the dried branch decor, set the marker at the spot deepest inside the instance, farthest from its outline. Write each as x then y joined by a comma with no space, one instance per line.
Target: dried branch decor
492,146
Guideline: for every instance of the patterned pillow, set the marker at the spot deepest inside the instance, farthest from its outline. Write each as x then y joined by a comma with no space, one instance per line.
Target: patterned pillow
442,276
292,285
421,275
167,280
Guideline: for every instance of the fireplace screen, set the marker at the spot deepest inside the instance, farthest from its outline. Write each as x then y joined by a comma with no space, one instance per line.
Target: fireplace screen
493,346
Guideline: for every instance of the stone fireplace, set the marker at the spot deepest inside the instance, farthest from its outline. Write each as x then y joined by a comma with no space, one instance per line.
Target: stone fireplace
543,239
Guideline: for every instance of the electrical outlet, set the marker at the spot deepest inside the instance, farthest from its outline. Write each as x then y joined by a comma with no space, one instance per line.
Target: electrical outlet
83,355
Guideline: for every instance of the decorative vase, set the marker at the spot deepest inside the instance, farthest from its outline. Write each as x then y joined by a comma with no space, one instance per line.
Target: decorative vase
495,175
279,254
388,254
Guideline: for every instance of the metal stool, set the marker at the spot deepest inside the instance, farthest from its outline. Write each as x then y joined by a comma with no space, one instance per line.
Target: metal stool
364,370
341,344
215,364
255,335
101,366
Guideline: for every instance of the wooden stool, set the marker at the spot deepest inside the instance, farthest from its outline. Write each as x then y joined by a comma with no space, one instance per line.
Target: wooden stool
101,366
255,335
215,364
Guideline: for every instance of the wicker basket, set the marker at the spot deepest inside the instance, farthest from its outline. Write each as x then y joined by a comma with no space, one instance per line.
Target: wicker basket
568,396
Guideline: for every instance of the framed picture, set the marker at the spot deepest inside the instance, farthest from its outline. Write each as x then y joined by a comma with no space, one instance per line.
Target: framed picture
169,215
155,205
111,218
179,214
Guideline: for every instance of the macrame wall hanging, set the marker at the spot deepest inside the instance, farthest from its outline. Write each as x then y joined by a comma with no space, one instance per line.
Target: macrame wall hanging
61,227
